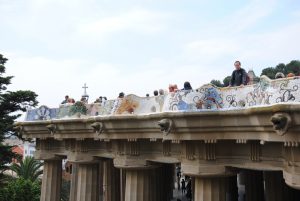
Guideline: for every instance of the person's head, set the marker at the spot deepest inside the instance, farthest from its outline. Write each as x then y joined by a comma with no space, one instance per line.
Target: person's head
187,86
161,92
279,75
66,97
121,95
100,97
291,75
237,65
173,87
155,93
104,98
147,95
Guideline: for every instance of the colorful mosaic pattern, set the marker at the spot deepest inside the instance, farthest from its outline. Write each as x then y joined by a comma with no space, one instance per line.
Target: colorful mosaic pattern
207,97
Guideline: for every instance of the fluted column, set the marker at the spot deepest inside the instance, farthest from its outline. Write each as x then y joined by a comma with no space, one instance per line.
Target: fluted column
254,186
51,183
138,185
232,188
122,184
88,182
210,189
101,181
111,180
274,186
74,182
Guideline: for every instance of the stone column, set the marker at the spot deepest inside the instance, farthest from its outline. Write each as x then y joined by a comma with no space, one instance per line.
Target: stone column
210,189
88,182
145,184
274,185
74,181
167,180
254,186
122,184
291,194
232,188
138,185
51,183
101,182
111,180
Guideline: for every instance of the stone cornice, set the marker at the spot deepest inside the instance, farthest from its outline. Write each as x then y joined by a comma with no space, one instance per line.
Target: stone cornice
245,124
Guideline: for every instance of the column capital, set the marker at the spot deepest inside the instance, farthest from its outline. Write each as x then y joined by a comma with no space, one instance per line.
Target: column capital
132,163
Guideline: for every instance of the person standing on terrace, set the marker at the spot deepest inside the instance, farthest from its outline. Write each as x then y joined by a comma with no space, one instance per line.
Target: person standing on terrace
239,76
187,86
66,100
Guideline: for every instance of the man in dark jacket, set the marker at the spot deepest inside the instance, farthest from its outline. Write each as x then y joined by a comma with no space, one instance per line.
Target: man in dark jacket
239,75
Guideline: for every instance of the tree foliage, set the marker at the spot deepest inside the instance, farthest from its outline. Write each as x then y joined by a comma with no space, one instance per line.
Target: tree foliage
65,190
20,190
226,81
217,83
29,168
292,67
11,104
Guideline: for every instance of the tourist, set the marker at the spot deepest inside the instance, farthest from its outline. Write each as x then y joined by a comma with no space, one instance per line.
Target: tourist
290,75
161,92
178,174
121,95
71,100
155,93
279,75
97,100
187,86
173,88
147,95
66,100
239,76
183,188
104,100
83,100
189,190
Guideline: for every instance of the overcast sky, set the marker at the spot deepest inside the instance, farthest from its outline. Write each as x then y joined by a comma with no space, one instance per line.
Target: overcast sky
136,46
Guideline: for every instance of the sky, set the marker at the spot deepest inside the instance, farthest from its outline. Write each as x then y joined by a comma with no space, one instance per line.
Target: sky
137,46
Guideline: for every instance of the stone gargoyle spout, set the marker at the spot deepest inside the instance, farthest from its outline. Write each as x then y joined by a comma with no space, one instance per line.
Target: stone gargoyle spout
166,125
98,127
281,123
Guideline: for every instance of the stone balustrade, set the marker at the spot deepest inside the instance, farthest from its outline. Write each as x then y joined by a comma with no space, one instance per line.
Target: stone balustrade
208,97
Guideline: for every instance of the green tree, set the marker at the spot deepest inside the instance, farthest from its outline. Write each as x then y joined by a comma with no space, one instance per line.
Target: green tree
269,72
280,68
293,67
226,81
65,190
29,168
20,190
11,104
217,83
